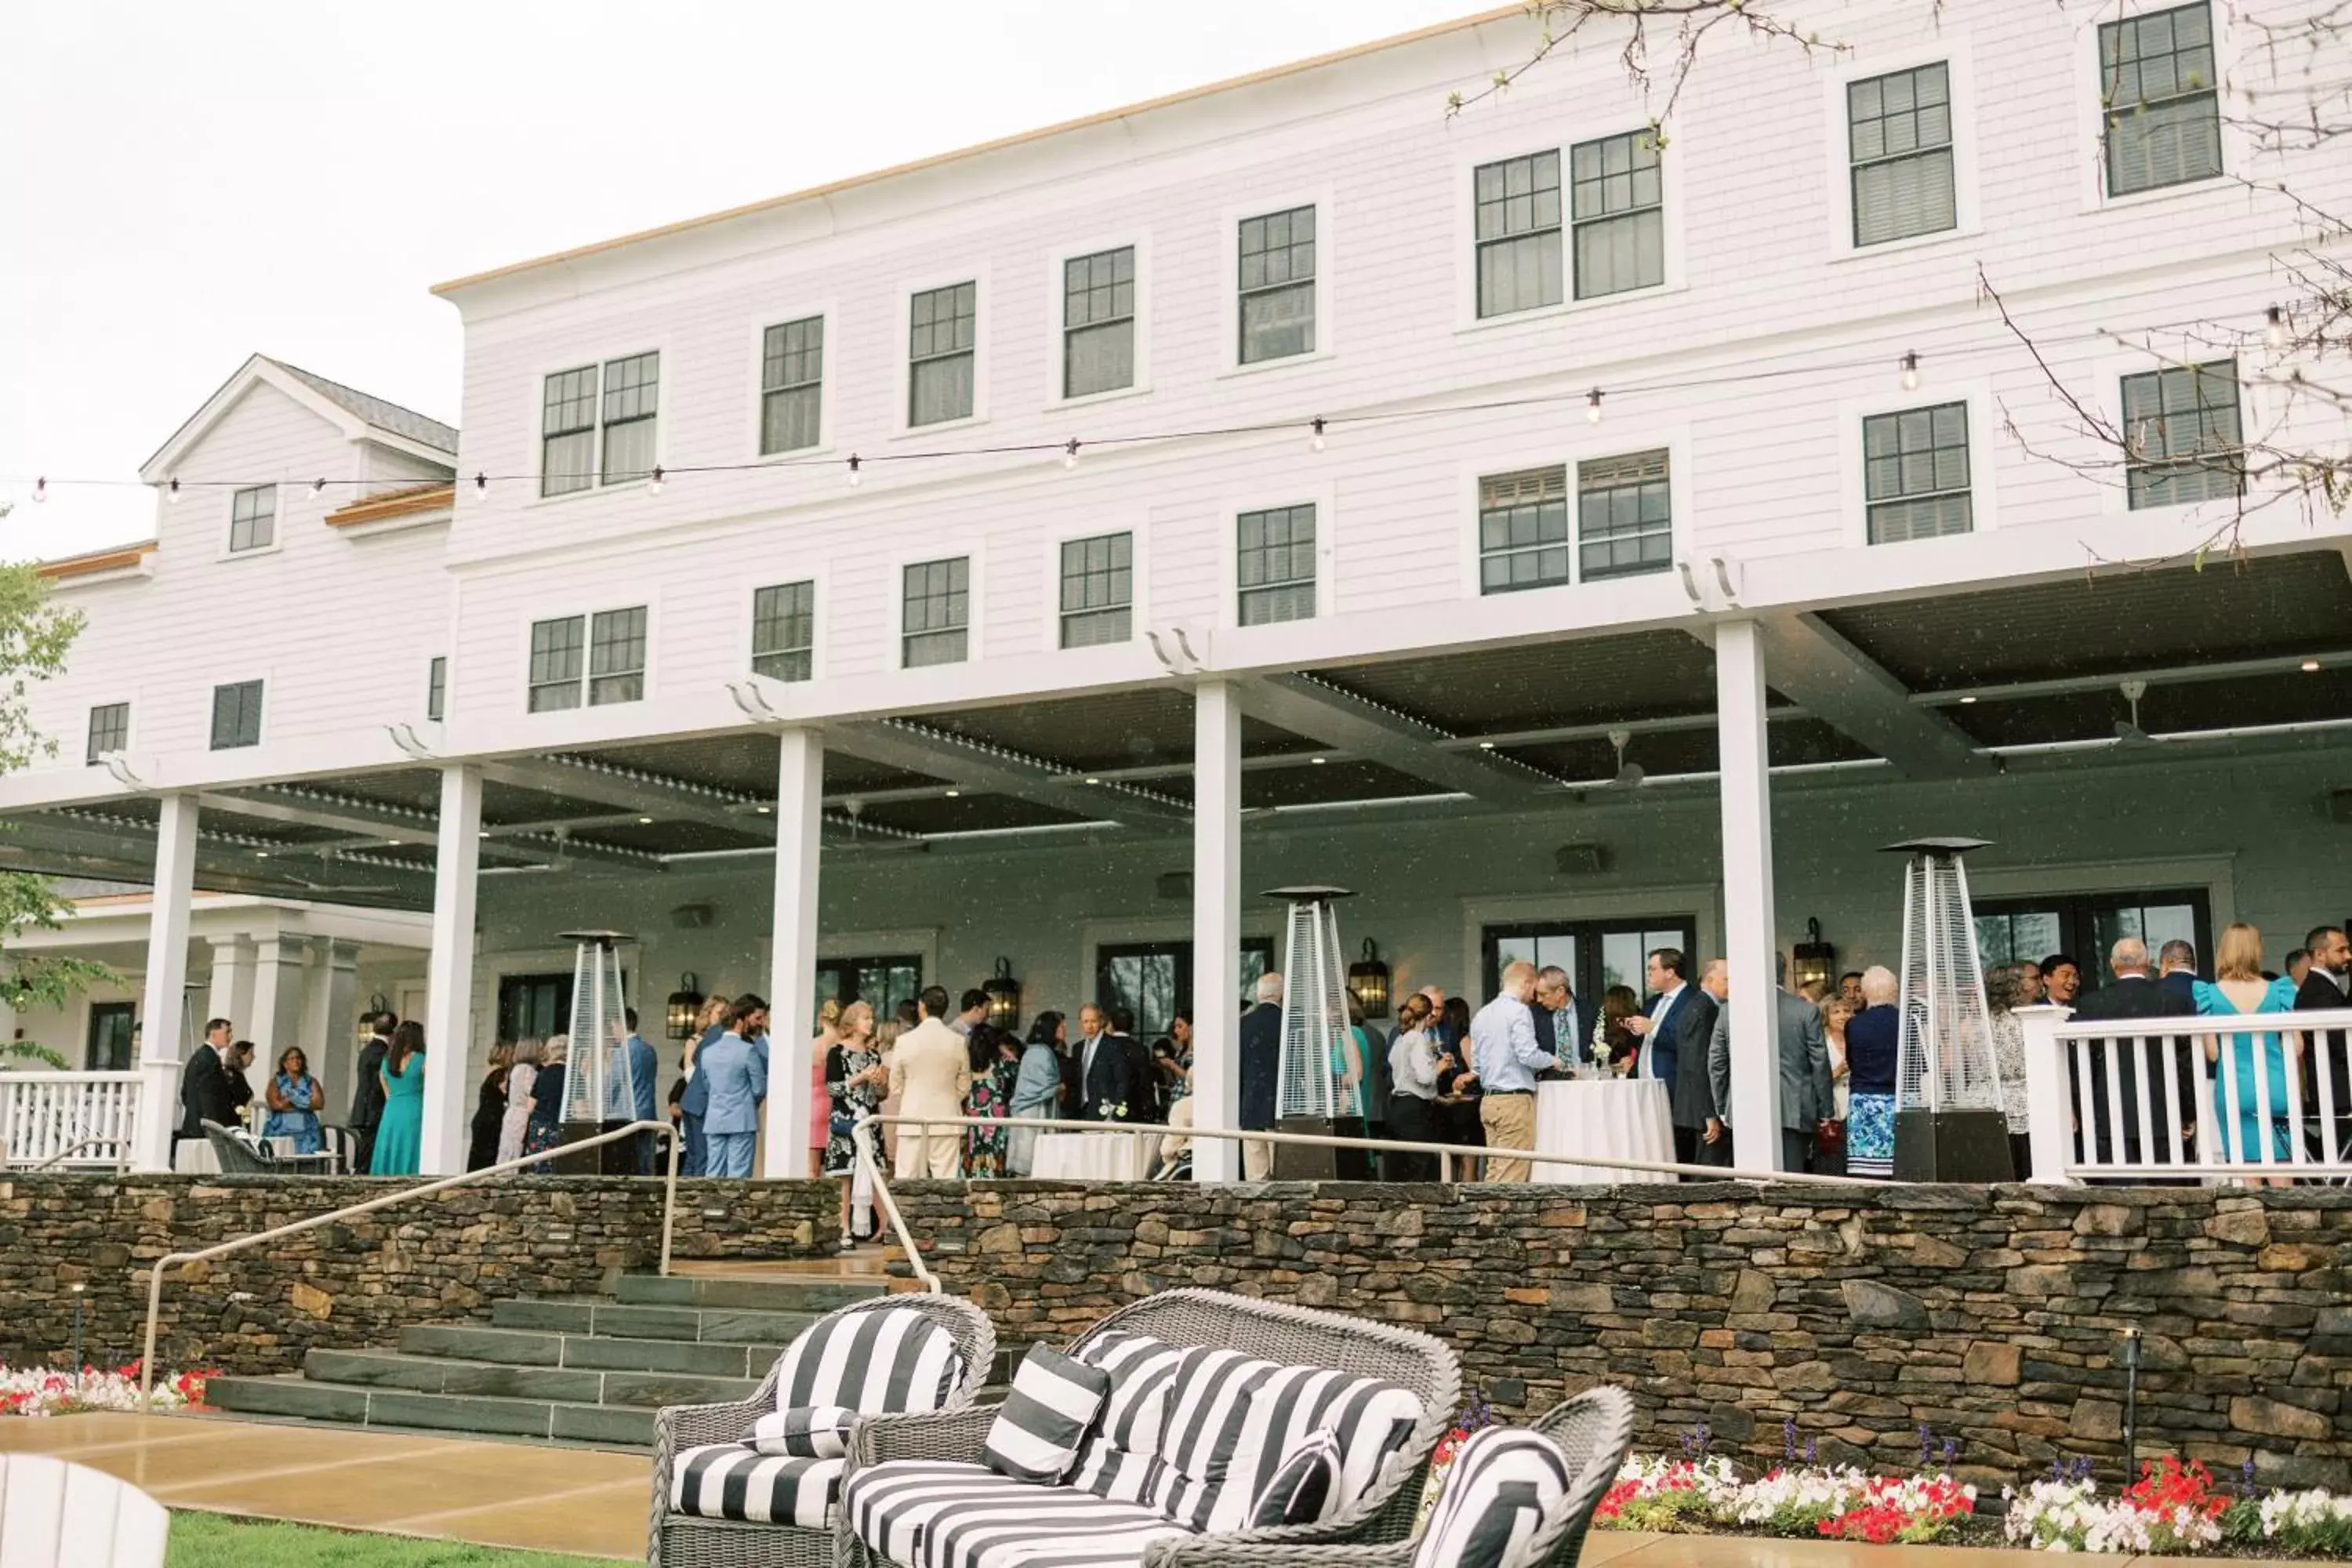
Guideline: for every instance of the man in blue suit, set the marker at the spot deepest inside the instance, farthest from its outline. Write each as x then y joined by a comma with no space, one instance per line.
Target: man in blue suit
1679,1025
642,1067
736,1067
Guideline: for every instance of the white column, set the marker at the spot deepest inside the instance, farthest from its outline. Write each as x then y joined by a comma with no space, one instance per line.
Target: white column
449,973
231,995
277,1006
331,997
1748,926
163,1005
2049,1134
1216,926
791,954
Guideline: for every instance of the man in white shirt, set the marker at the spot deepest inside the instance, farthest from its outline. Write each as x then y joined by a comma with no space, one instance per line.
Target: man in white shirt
1504,1052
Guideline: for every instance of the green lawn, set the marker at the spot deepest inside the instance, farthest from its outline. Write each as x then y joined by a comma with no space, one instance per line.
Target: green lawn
212,1541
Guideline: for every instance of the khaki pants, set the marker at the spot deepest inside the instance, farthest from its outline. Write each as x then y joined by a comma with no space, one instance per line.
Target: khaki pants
1509,1121
1257,1160
938,1155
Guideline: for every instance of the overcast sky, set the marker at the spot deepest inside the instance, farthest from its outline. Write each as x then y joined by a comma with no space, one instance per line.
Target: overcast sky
185,183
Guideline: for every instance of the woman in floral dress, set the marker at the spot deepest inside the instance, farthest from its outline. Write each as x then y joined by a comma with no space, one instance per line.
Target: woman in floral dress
990,1096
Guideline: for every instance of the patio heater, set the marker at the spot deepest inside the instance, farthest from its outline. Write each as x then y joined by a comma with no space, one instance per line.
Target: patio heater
1948,1123
1309,1091
598,1090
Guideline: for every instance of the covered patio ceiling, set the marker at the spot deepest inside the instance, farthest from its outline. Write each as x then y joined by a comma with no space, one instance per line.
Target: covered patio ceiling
2249,653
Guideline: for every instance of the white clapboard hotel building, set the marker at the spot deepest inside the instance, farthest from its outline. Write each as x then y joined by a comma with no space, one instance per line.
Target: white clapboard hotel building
1570,538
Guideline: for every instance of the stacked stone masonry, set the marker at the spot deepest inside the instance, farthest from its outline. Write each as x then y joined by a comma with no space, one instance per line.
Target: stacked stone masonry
1996,1317
442,1259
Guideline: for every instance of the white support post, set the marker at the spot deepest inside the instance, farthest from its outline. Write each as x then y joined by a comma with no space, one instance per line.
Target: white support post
2050,1135
331,1019
277,1006
792,981
1749,943
165,1004
449,973
231,995
1216,926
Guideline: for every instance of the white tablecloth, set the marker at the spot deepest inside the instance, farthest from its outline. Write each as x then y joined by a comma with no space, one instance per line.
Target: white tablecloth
1617,1118
1097,1156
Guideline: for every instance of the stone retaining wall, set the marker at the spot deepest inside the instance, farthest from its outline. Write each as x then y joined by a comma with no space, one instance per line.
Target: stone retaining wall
1993,1316
443,1258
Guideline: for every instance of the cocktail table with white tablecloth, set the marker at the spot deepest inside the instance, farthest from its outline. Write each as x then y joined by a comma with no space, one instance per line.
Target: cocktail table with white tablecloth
1614,1119
1097,1156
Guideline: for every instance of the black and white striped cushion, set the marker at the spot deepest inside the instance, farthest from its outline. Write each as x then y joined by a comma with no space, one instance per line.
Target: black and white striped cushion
1117,1462
890,1360
937,1514
1210,1419
1372,1418
812,1432
1303,1489
1053,1406
1505,1482
735,1481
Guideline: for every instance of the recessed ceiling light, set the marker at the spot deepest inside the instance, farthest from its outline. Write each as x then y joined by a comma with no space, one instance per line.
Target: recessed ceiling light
1966,700
1318,761
261,854
1485,745
762,810
954,794
483,835
2311,667
645,822
1091,779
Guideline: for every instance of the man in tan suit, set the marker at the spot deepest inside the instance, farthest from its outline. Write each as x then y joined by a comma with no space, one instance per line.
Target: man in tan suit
929,1069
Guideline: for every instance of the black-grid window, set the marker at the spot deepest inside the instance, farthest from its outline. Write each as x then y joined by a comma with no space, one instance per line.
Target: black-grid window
559,653
1277,565
783,631
616,657
436,688
935,612
631,399
1098,322
941,331
567,438
792,385
1097,590
1520,266
1522,530
2181,436
1618,208
236,715
109,730
1624,515
1899,137
1916,473
2157,87
253,519
1277,284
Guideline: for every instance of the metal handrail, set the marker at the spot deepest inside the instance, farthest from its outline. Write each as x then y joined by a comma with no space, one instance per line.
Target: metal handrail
1444,1152
121,1160
155,1279
862,1135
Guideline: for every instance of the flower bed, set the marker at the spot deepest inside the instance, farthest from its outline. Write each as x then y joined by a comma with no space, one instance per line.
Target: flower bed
38,1390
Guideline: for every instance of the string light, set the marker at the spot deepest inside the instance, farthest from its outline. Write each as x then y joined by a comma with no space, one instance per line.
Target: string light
654,485
1911,371
1315,441
481,484
1070,454
856,479
172,493
1592,407
2274,328
40,490
318,487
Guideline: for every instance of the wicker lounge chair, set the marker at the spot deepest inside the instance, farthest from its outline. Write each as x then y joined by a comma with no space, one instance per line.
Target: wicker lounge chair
686,1541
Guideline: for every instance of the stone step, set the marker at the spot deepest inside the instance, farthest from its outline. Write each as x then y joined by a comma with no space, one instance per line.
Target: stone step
531,1347
435,1374
765,1293
701,1325
356,1405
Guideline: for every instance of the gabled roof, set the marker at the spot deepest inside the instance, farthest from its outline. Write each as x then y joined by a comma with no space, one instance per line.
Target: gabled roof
357,414
375,411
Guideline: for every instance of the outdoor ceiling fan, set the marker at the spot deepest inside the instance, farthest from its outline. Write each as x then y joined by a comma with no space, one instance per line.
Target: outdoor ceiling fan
1629,775
2127,731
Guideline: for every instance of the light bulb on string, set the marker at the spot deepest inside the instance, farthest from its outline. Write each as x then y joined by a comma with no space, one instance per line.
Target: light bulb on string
653,482
40,490
1911,371
1592,407
481,484
172,492
1315,440
2274,328
1070,454
856,479
317,487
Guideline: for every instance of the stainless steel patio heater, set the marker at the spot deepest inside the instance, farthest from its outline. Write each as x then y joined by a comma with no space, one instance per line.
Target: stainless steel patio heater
1948,1122
1310,1091
599,1090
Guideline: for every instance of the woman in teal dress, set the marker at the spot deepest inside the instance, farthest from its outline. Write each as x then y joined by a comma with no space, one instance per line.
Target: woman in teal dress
2250,1120
400,1135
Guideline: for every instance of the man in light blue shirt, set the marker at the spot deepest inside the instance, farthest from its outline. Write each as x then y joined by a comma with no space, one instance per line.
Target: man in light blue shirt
1504,1051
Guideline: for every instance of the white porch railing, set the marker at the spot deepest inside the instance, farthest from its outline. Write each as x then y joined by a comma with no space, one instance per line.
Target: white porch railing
2203,1098
75,1121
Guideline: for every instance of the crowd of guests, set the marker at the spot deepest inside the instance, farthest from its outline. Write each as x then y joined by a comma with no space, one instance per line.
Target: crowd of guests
386,1123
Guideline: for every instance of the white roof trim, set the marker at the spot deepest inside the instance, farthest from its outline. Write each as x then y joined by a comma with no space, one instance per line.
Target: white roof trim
259,370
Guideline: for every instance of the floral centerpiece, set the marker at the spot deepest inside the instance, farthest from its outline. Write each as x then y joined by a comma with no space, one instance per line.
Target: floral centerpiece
39,1391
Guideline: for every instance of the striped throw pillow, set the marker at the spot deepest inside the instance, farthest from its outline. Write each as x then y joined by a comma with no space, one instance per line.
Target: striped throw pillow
1505,1482
1372,1418
1118,1458
1053,1406
1303,1487
1210,1418
891,1361
810,1432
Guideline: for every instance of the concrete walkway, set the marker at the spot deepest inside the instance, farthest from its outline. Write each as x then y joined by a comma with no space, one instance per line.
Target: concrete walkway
593,1502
